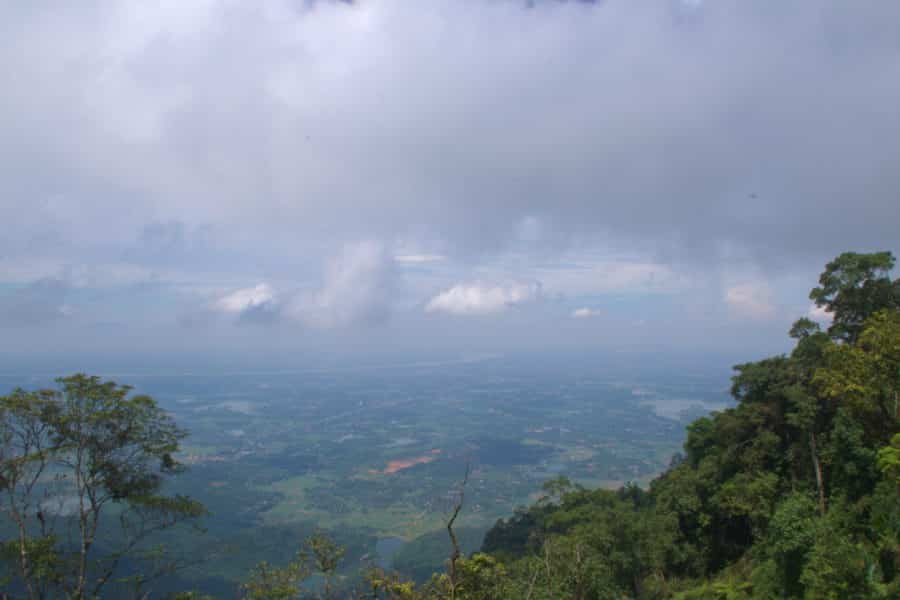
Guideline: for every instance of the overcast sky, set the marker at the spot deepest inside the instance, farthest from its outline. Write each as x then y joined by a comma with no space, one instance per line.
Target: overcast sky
436,175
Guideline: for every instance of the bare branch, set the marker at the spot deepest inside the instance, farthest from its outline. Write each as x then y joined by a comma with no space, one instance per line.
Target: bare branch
456,553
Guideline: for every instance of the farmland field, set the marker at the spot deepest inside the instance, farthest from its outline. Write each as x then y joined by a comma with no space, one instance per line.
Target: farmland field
374,455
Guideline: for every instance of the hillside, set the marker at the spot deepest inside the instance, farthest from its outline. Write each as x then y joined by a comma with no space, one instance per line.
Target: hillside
792,493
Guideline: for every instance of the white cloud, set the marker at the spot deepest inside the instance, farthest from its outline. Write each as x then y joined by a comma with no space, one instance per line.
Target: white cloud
358,288
246,299
752,300
482,299
584,313
418,258
819,314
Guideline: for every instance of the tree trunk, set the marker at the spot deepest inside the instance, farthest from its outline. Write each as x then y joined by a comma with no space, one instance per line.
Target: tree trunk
820,485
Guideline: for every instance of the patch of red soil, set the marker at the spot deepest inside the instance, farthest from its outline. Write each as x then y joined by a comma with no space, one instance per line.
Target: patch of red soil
398,465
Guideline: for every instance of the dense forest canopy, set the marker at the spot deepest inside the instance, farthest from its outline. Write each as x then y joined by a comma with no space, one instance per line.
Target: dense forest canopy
793,493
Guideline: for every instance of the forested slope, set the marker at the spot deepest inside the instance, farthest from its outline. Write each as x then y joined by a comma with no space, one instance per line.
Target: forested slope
792,493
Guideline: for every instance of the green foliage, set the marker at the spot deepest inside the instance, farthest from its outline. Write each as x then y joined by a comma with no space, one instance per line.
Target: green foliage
838,566
518,535
318,555
792,493
44,558
853,287
718,590
480,577
791,534
107,451
391,586
889,460
270,583
864,377
326,555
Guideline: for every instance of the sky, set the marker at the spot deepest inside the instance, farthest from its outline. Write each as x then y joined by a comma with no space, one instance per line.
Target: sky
296,178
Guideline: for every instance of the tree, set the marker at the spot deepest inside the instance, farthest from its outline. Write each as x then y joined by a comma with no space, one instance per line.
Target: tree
889,460
808,412
478,577
318,554
25,456
391,586
854,286
790,537
790,493
69,458
326,555
456,553
865,376
837,566
271,583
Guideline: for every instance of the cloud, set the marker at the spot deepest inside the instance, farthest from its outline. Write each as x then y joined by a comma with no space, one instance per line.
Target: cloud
245,299
626,123
258,304
581,274
37,303
584,313
358,289
482,299
752,300
611,149
163,237
416,259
